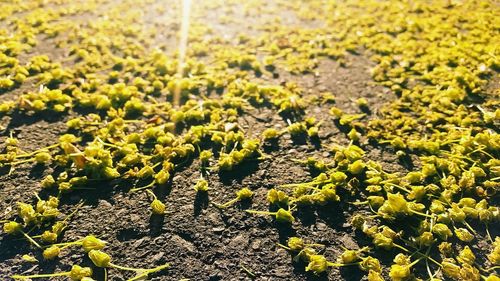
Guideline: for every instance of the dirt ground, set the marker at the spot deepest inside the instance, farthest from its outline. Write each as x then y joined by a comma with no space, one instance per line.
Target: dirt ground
200,241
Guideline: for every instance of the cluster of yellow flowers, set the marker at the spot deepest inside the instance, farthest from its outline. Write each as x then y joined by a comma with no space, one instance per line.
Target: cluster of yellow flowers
114,77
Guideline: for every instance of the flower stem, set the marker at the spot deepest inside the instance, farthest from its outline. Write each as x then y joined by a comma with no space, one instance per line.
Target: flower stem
247,271
357,203
395,185
38,150
143,187
125,268
22,161
401,247
469,227
284,247
66,244
31,240
227,204
66,273
71,244
152,194
260,212
421,214
488,233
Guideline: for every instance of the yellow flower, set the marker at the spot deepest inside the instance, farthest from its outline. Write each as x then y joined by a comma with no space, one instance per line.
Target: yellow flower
146,172
48,182
283,215
402,259
356,167
466,256
450,269
399,272
90,242
270,134
12,227
492,277
244,193
162,177
158,207
349,256
277,197
397,202
99,258
468,272
376,201
494,256
442,231
205,156
201,186
78,273
382,241
317,264
295,243
49,237
42,157
464,235
370,263
51,253
394,205
374,276
305,254
426,238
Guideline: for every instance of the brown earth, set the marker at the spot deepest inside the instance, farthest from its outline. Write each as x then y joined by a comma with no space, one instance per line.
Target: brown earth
200,241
